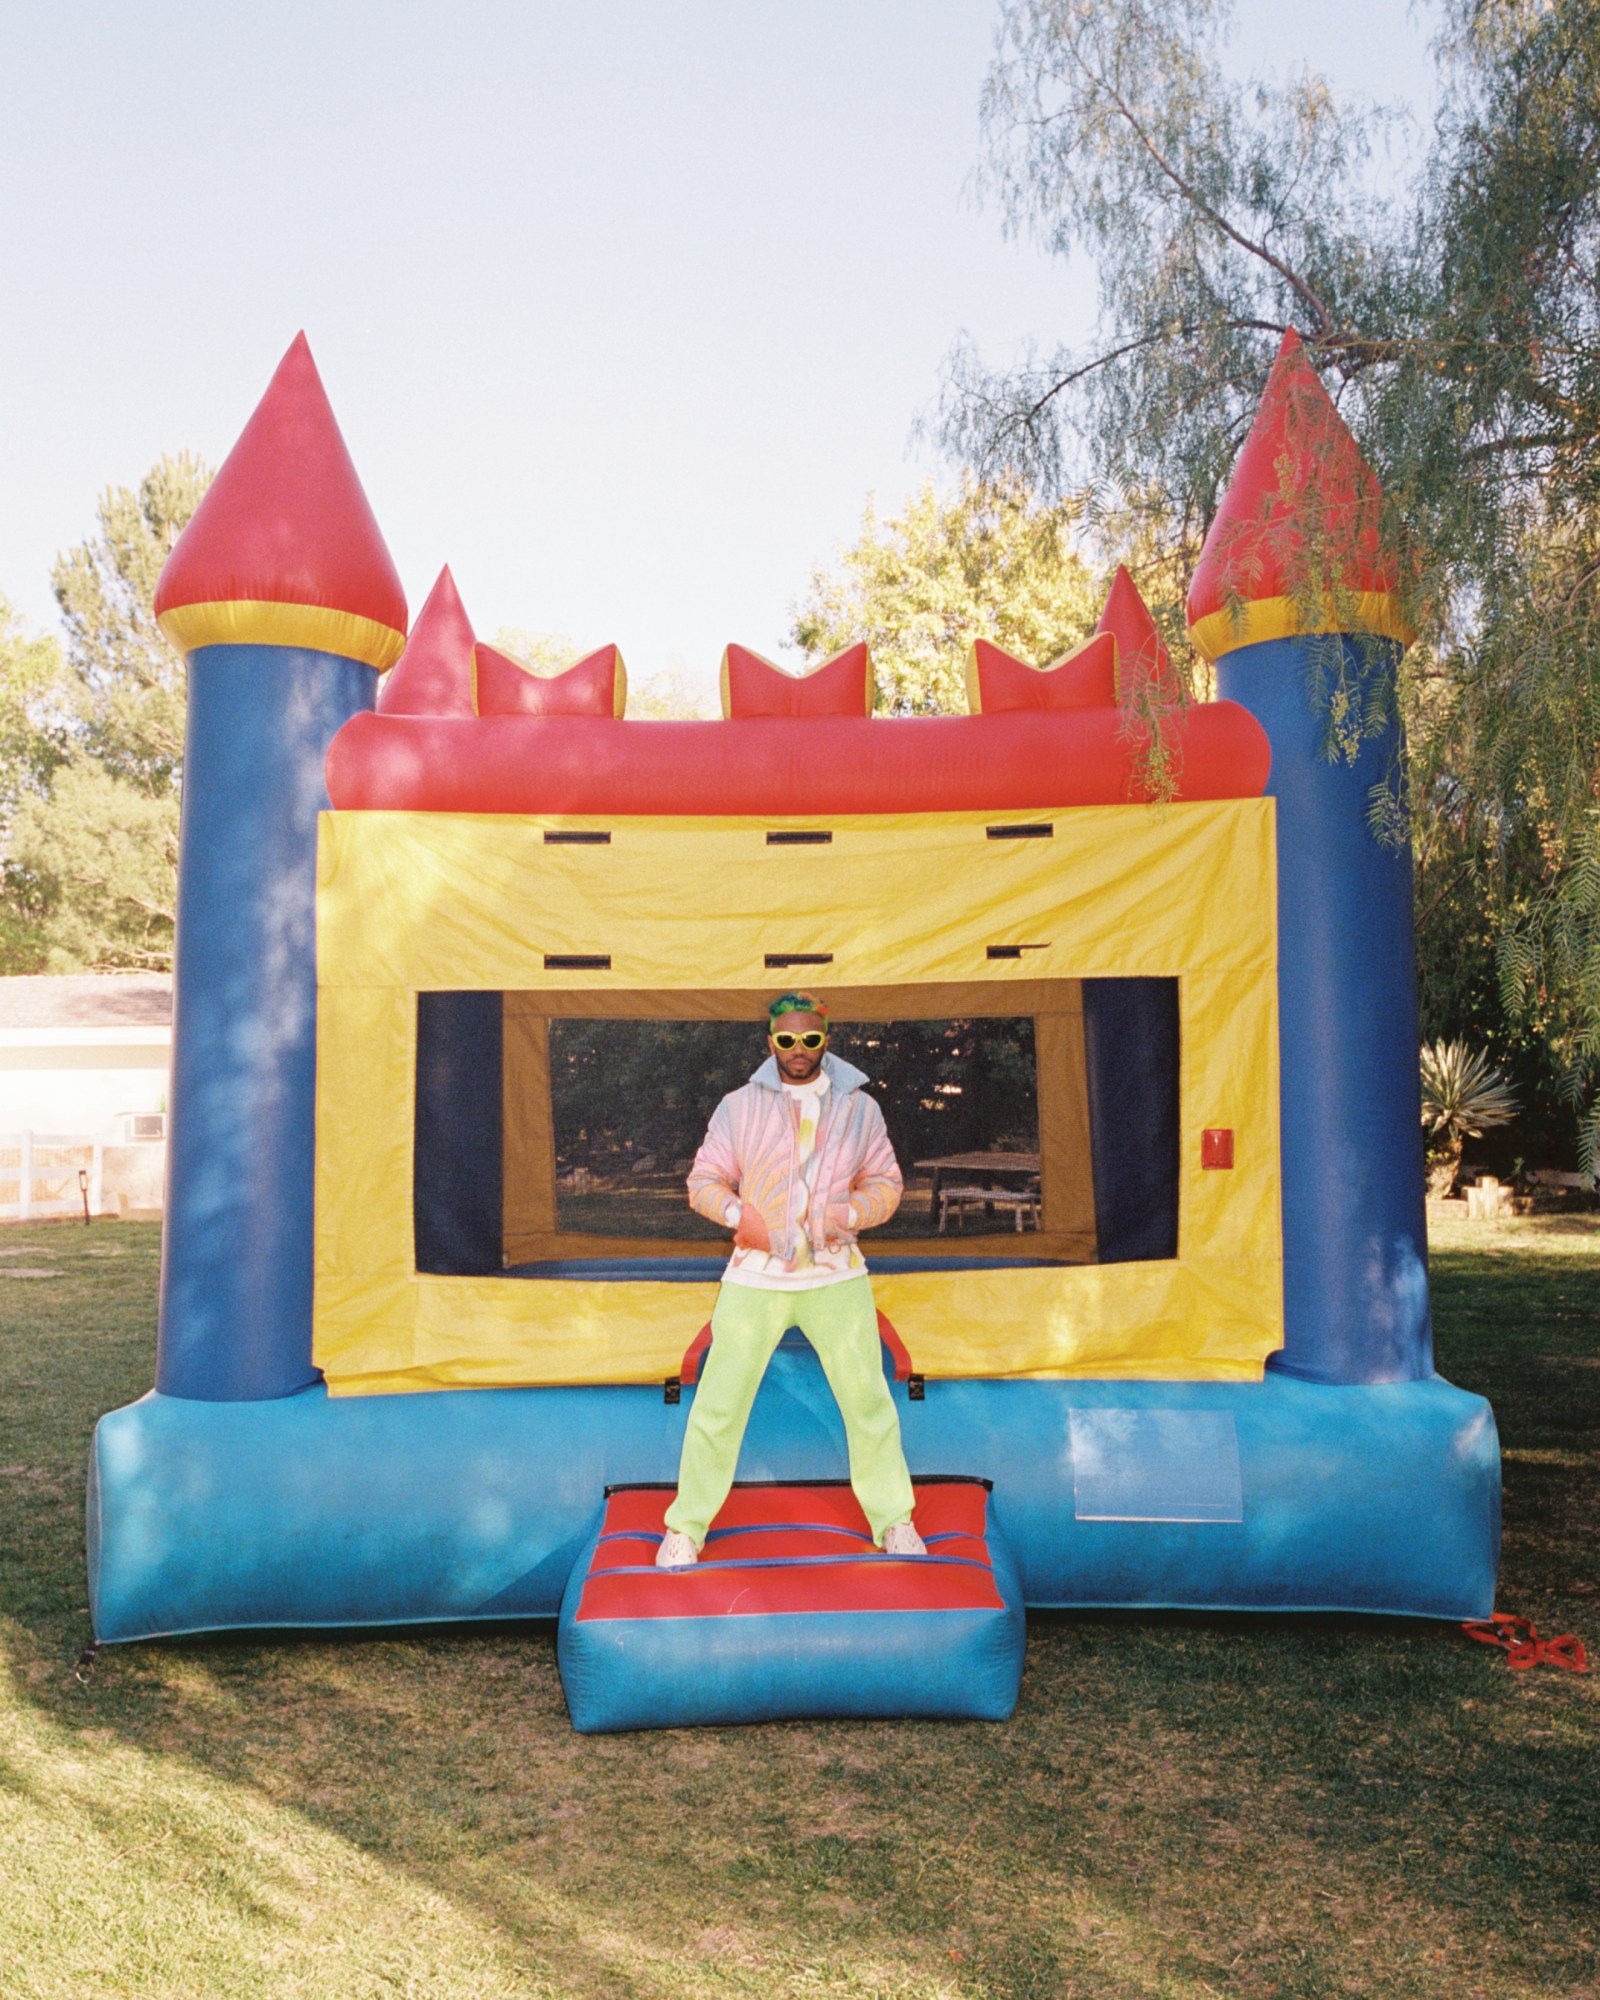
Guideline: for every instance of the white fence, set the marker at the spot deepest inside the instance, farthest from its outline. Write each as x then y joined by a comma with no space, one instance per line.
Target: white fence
40,1174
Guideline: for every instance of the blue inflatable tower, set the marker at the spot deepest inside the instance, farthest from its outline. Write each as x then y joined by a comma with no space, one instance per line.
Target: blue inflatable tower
1294,599
282,594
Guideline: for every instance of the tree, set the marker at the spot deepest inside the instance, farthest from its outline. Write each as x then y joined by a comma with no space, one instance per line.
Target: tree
670,696
545,653
1455,322
92,841
33,743
985,562
105,854
130,680
1463,1094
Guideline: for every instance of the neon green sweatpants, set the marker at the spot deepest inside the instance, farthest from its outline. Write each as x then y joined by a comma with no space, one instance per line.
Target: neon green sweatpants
841,1323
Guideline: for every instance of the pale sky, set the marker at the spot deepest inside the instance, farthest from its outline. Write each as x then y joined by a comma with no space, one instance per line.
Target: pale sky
624,308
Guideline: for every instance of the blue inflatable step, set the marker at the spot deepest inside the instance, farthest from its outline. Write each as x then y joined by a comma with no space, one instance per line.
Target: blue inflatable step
791,1612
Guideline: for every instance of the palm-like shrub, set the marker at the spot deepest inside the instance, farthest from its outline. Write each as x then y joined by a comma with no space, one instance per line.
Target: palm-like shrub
1463,1094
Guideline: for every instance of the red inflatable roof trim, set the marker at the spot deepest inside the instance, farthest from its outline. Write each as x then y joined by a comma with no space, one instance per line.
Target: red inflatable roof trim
1303,502
997,681
433,676
753,686
767,766
1143,662
285,520
595,685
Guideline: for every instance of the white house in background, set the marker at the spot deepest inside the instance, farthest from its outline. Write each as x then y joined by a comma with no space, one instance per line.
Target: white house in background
85,1067
85,1053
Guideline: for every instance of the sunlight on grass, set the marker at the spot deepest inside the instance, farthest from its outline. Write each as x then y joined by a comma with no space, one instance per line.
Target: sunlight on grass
1182,1807
132,1873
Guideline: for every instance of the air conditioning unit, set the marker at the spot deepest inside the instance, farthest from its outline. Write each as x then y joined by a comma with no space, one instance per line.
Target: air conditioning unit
148,1125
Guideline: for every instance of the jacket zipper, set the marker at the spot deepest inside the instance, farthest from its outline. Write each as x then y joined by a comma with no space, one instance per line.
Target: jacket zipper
824,1134
791,1113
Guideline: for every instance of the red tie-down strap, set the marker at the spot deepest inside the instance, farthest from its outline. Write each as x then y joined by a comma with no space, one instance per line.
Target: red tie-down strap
694,1356
1522,1645
695,1353
898,1351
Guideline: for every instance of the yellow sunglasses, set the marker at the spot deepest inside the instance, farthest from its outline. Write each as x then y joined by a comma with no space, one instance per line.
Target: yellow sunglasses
814,1038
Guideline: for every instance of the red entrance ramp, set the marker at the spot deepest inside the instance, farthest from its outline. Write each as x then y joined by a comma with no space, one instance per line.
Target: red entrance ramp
791,1611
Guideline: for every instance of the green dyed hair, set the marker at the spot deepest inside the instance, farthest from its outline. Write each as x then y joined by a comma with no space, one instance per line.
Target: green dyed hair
795,1003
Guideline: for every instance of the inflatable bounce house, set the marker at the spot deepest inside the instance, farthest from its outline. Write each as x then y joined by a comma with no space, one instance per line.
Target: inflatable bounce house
412,1368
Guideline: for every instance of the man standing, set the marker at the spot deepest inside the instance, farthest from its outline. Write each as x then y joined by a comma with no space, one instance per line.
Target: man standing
795,1163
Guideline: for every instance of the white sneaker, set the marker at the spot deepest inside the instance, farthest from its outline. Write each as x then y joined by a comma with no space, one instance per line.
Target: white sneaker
677,1551
903,1540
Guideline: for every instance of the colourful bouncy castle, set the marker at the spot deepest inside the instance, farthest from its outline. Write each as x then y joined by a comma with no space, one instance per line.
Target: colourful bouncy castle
1162,1342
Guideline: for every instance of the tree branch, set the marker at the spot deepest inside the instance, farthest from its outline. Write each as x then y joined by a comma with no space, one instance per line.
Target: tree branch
1191,194
1527,441
1454,882
1038,406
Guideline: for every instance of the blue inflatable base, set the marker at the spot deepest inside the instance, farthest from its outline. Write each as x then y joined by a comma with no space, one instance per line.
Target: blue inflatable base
792,1613
308,1510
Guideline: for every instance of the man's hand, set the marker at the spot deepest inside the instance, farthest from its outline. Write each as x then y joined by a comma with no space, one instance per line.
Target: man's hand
751,1232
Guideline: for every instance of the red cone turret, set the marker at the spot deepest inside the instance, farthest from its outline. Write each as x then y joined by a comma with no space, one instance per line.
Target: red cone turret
284,550
1295,546
434,674
1143,662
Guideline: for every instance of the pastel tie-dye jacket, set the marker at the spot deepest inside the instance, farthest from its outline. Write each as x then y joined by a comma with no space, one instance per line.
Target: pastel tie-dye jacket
750,1155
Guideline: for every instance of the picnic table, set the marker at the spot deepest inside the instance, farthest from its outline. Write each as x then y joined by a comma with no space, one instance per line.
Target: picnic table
1017,1175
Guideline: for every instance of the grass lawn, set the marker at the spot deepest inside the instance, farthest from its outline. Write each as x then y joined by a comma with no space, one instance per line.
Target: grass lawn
1181,1806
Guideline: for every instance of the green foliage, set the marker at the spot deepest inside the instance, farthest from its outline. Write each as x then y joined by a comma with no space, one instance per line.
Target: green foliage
545,653
987,562
1463,1094
949,1086
130,687
624,1090
1462,1091
33,718
93,765
1455,324
669,696
1551,949
103,855
33,742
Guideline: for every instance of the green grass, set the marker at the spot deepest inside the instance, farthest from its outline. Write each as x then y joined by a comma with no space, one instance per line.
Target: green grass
1181,1806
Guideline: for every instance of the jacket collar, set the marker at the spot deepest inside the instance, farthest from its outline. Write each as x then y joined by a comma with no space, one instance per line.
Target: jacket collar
843,1077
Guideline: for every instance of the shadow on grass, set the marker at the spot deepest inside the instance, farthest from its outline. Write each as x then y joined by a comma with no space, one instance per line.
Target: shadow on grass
1184,1803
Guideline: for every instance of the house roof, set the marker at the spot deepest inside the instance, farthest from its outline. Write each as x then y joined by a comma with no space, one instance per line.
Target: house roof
87,1000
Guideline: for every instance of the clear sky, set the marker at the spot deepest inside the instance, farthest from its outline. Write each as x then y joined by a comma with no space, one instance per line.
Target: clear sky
624,307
